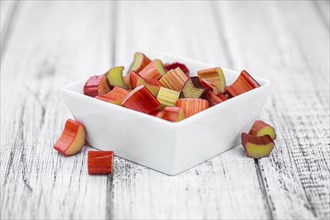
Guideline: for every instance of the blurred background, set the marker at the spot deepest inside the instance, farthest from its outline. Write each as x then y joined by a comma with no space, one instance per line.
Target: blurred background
48,44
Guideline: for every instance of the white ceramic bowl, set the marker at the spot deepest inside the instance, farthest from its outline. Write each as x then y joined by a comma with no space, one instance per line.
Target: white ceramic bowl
165,146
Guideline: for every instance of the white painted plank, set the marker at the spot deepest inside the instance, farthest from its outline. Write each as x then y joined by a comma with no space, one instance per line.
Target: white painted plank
213,189
52,43
323,10
8,10
287,43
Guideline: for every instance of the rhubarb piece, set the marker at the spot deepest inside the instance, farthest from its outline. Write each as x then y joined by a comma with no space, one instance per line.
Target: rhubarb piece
193,89
192,106
72,139
127,81
96,85
243,83
170,66
213,98
174,79
167,97
115,96
209,85
173,114
257,147
100,162
157,113
153,70
115,77
215,76
140,61
222,96
140,99
261,128
151,84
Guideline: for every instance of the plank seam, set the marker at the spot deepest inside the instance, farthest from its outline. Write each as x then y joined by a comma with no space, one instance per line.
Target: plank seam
114,19
319,11
109,192
221,33
7,27
263,189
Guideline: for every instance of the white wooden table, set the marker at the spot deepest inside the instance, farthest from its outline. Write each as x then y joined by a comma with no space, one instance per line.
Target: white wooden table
45,45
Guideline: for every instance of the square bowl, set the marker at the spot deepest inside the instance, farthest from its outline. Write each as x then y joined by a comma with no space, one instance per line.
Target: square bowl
167,147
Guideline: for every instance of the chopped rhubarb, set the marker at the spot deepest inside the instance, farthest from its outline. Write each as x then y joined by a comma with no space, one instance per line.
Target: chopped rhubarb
209,85
115,77
157,113
173,114
153,70
140,61
170,66
115,96
213,99
215,76
192,106
167,97
100,162
222,96
141,99
193,89
72,139
96,85
261,128
152,85
243,83
257,147
127,81
174,79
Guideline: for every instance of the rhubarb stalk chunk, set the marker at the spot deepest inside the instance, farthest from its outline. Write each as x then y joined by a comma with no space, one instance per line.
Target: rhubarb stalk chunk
193,89
174,79
213,99
169,66
140,61
192,106
96,85
115,77
261,128
215,76
167,97
243,83
140,99
115,96
100,162
151,84
173,114
257,147
72,139
153,70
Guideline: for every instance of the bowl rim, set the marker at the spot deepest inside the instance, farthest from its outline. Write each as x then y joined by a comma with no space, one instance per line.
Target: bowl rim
264,83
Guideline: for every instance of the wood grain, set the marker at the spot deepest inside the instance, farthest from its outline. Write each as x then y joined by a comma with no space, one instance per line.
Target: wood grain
296,176
45,45
62,42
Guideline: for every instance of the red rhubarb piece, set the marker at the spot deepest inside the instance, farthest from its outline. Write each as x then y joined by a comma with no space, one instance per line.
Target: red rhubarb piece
72,139
141,99
96,85
115,96
192,106
173,114
153,70
243,83
100,162
257,147
170,66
